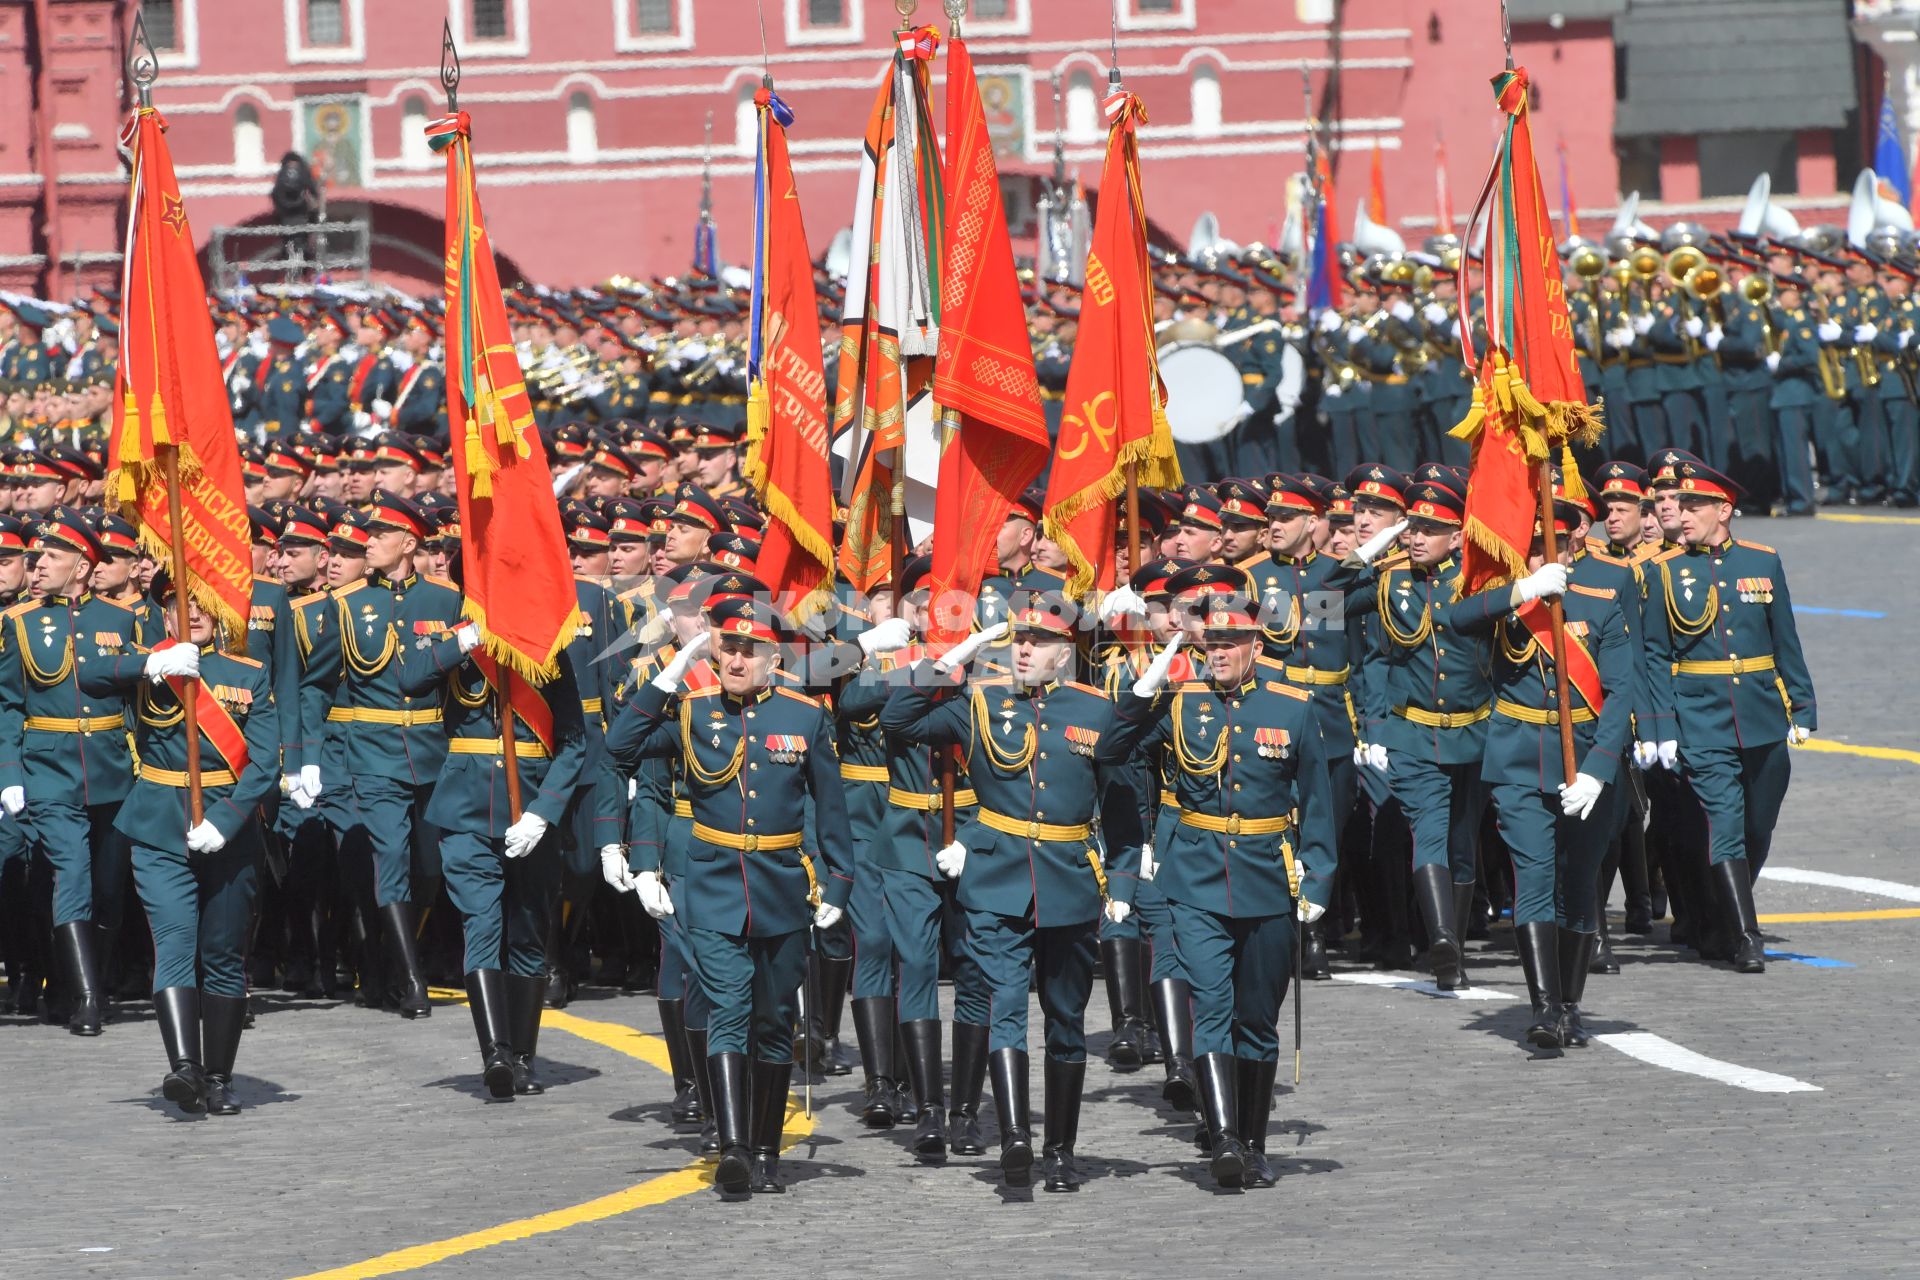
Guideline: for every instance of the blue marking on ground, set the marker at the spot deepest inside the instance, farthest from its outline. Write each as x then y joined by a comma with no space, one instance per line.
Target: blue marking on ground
1818,962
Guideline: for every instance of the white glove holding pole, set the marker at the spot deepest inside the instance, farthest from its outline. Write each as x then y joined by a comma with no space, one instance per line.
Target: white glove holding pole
613,867
1713,338
826,916
205,838
1148,867
961,654
1694,327
951,860
1376,757
1670,753
1643,324
1578,797
1356,333
1865,333
1372,547
1434,313
885,637
1402,310
468,636
654,897
1773,361
1156,674
173,661
1646,754
1329,320
1829,331
523,835
1117,912
1547,580
1308,912
13,800
1798,734
674,674
1121,602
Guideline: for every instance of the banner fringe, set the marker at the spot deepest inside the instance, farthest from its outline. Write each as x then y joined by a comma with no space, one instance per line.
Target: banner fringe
535,671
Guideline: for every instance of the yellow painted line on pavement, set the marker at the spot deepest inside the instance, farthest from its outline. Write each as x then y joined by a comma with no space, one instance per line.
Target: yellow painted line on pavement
651,1050
1833,917
1858,517
1830,747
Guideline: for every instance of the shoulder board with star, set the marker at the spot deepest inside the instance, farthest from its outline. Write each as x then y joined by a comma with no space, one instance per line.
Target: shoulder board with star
1275,686
796,695
309,598
1755,546
23,608
1598,593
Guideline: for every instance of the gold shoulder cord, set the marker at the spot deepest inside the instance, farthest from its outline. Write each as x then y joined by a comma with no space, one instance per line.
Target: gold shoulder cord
1518,657
1681,624
1405,639
460,695
1015,762
701,775
42,678
1197,765
350,647
1290,632
153,715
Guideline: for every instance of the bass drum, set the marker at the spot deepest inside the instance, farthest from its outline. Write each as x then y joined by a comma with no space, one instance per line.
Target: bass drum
1204,392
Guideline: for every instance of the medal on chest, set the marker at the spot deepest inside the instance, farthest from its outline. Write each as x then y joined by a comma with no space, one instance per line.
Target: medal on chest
1205,717
1271,743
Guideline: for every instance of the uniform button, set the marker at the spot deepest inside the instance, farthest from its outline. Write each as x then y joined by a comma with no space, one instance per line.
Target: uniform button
1236,786
1439,652
1736,679
753,764
1236,728
1233,844
1441,701
1043,724
749,821
1040,786
1440,675
1043,755
1236,757
1039,814
1726,608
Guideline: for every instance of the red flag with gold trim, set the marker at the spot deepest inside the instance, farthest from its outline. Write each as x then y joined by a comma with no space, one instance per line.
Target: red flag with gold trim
985,368
515,569
169,391
1116,403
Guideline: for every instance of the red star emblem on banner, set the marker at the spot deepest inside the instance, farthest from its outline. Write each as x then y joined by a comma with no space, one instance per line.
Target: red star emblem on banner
174,214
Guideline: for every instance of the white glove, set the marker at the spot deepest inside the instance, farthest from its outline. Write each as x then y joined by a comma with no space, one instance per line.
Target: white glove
174,660
1694,326
1379,542
362,421
885,637
205,838
1329,320
1148,867
1646,754
961,654
468,636
653,894
1242,411
1402,311
674,674
633,789
1376,757
613,867
1118,912
1307,912
1670,753
1119,603
1643,324
1156,675
310,780
1865,333
1434,313
523,835
1547,580
382,410
1906,336
1332,390
1773,361
1578,797
1829,331
951,860
13,799
1798,734
297,791
1359,755
1714,336
1619,339
1356,333
826,916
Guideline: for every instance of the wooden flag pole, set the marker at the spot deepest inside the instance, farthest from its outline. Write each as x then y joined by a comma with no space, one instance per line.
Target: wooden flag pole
169,456
1557,617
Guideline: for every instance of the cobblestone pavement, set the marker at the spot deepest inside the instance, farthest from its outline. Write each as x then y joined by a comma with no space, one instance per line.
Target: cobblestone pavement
1423,1141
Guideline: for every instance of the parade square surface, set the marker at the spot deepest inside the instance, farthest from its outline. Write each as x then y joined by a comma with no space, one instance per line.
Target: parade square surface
1423,1141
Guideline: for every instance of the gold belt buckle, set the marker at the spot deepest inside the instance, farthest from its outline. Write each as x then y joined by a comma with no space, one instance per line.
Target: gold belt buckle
752,843
1553,717
1739,666
1233,824
1033,831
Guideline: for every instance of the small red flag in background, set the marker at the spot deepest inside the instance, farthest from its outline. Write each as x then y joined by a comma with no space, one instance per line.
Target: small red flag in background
1377,189
169,391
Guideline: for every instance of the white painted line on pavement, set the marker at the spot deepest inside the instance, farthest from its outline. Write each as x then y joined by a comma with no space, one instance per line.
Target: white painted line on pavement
1424,986
1829,880
1661,1052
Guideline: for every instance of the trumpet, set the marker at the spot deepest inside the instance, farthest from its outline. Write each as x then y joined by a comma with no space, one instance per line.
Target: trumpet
1589,263
1758,290
1833,378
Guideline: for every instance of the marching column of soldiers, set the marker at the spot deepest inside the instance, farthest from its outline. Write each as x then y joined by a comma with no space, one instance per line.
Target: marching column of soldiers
1281,734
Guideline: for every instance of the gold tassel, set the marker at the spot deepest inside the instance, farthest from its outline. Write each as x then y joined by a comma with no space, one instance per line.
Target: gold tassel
158,417
1469,427
1570,482
759,413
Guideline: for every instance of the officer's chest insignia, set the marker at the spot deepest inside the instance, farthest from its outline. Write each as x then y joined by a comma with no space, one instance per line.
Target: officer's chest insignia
108,639
1271,743
232,696
1755,590
429,627
1081,741
1577,629
260,618
786,748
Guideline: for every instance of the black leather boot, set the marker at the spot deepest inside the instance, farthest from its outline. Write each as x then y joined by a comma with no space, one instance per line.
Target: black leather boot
818,1046
1601,959
1735,885
673,1029
222,1019
1433,890
1008,1067
929,1097
178,1011
1124,962
703,1086
399,920
1463,921
1218,1098
903,1101
526,999
487,999
1173,1009
969,1078
1540,960
873,1022
729,1074
1313,964
1576,960
771,1081
77,946
1065,1083
1255,1100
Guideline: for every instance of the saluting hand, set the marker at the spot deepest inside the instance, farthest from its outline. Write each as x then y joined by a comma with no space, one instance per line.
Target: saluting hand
674,674
963,653
1156,674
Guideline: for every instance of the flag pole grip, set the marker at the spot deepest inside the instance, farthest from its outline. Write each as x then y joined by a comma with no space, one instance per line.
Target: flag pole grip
169,456
1557,619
